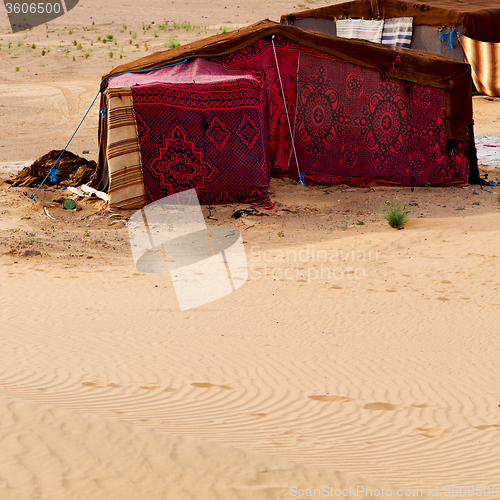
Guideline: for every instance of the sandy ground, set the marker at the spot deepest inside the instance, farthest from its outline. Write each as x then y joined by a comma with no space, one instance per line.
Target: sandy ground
356,355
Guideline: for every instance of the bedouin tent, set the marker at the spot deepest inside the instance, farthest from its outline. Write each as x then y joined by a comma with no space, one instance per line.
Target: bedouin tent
338,111
190,125
465,31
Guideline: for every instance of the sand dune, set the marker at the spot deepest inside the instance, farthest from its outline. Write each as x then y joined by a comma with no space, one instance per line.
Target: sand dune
74,455
390,376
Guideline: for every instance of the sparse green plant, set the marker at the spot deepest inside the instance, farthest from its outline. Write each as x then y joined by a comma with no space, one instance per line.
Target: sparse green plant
111,54
146,46
134,35
19,43
461,208
281,234
124,26
75,43
360,223
343,226
98,38
17,69
109,36
74,58
33,46
121,56
156,34
87,56
176,25
224,29
47,36
427,186
66,52
130,41
43,52
93,23
9,45
171,43
186,25
92,43
395,214
86,232
29,240
163,26
79,46
70,32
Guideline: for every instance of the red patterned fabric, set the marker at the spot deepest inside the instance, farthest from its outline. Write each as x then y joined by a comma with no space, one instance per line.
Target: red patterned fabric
212,137
351,125
260,57
197,70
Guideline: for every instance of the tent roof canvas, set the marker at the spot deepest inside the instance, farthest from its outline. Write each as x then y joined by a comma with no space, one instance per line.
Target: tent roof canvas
198,71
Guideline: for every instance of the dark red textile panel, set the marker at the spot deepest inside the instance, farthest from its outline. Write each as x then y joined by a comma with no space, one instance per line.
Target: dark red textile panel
212,137
260,57
352,125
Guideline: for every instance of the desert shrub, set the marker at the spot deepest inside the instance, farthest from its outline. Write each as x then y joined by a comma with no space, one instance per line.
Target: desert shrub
171,43
395,214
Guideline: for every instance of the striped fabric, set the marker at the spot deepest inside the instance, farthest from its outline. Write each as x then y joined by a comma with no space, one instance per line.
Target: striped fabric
484,58
398,32
361,29
126,188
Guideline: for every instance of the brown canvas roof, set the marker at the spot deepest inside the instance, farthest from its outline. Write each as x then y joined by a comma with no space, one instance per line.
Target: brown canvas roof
480,18
423,68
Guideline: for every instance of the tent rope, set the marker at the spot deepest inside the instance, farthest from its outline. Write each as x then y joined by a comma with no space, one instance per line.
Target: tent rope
301,175
52,173
442,38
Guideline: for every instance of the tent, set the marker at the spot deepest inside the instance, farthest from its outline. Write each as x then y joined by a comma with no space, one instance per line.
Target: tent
436,23
190,125
338,111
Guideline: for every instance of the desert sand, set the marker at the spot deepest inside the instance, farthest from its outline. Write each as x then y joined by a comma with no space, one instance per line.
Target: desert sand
356,358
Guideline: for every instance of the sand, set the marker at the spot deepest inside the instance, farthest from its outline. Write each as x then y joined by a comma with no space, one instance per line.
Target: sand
356,355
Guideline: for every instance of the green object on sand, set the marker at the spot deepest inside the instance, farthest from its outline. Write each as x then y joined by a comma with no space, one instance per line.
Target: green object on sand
69,204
